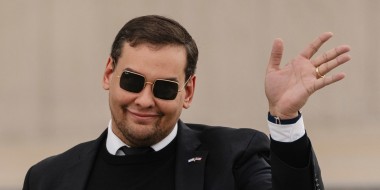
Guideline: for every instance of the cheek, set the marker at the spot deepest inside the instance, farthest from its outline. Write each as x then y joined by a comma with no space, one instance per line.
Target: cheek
119,97
171,110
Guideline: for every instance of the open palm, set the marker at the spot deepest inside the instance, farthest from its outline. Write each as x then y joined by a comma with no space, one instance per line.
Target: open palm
288,88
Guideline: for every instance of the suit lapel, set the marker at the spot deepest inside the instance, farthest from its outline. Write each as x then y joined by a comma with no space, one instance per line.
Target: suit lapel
82,165
190,163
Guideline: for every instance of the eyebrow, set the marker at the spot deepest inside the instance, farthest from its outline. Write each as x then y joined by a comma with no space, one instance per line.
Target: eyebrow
170,78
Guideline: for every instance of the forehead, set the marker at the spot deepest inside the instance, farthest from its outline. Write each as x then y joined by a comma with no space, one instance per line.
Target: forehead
154,60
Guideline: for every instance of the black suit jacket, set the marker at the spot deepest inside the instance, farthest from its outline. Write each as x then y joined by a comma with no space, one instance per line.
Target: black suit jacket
217,158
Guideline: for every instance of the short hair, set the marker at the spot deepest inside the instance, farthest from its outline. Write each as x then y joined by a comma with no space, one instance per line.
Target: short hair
156,30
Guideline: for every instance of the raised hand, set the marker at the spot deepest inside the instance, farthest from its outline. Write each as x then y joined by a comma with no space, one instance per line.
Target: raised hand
288,88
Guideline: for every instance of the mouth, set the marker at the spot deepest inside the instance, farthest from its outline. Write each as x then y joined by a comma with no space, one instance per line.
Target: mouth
143,117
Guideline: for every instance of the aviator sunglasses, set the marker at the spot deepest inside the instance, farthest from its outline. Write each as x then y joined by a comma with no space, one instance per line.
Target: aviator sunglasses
161,88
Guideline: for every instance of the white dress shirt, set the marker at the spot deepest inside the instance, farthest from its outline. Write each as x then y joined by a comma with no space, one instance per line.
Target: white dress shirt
287,133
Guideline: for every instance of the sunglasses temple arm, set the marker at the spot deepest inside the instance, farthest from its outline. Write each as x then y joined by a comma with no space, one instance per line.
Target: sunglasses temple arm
185,83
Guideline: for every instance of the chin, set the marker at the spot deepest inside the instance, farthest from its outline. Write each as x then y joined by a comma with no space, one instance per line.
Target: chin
143,135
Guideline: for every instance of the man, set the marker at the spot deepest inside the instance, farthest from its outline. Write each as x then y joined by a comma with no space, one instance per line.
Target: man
150,79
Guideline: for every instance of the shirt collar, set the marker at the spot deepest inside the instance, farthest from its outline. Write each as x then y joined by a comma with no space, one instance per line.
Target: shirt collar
113,142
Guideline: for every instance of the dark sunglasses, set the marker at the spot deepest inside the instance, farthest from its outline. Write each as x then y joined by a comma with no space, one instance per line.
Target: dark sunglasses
161,88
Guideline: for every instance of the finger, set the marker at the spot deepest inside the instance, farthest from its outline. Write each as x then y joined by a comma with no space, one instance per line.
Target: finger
276,55
322,82
313,47
331,54
327,67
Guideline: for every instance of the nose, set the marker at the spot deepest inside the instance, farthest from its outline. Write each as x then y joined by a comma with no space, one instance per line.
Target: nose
145,98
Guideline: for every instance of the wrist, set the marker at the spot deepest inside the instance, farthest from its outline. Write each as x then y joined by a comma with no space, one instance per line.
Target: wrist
281,114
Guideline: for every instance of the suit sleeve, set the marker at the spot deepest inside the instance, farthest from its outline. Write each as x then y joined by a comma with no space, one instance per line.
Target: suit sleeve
294,165
253,169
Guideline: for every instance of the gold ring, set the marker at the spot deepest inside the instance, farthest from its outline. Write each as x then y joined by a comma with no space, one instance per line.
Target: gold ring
318,73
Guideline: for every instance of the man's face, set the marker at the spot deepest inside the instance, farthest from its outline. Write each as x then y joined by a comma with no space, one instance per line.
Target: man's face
141,119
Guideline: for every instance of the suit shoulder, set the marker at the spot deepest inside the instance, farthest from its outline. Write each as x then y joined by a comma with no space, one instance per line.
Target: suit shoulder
72,154
49,171
222,129
57,160
227,133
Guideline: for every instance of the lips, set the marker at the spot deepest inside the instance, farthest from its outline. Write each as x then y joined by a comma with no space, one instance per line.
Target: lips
142,114
143,117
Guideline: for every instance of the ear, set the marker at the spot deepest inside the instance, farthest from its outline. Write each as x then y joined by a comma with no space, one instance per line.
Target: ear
189,90
107,77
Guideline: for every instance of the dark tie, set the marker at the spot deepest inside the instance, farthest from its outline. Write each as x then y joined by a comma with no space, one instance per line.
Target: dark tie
135,150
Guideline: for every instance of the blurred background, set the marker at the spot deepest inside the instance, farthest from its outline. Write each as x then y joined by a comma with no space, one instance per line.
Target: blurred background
53,54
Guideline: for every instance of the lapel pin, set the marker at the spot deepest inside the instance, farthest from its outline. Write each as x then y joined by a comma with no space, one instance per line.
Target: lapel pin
195,159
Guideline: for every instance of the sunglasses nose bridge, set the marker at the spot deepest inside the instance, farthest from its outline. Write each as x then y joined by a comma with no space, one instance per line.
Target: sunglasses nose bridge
147,82
150,83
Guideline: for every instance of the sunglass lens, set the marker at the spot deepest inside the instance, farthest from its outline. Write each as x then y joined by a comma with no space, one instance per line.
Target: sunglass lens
165,89
132,82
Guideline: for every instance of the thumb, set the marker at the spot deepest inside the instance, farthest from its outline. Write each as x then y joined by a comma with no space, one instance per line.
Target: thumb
276,55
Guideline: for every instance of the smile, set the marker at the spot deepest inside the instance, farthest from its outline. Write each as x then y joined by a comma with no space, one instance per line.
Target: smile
143,116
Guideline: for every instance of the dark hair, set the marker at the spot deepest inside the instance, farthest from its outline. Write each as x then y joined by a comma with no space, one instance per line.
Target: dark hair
156,30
